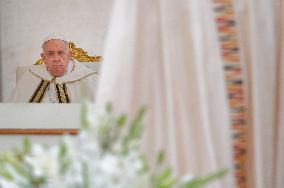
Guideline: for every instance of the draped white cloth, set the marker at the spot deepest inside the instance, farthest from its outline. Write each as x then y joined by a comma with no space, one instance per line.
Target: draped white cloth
164,54
262,40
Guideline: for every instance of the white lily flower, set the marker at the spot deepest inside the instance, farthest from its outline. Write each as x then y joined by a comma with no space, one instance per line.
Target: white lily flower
94,157
44,161
7,184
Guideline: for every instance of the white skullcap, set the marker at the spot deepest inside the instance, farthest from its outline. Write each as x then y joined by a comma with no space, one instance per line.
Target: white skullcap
54,37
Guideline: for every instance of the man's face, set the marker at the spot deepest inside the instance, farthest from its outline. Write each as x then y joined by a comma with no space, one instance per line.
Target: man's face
56,56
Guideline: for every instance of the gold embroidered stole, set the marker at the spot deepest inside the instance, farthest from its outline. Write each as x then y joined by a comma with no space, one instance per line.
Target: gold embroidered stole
39,92
62,95
61,91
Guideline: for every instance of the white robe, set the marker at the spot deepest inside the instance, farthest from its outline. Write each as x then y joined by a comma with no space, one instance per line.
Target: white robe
36,85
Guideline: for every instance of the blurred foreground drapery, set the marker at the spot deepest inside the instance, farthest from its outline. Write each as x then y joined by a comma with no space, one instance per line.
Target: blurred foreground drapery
165,54
261,33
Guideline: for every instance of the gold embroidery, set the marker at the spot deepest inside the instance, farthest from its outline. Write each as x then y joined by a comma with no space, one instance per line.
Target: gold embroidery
66,94
39,62
69,82
39,92
73,67
53,79
35,92
38,76
62,94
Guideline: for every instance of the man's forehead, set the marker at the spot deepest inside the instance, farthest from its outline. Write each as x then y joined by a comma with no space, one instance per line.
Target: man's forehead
55,43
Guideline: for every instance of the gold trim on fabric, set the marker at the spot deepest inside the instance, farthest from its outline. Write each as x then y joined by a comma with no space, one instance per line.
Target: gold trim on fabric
39,92
66,93
39,62
69,82
73,67
77,54
62,94
38,76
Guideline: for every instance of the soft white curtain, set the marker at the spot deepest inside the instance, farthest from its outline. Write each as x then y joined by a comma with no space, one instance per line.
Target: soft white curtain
165,54
260,24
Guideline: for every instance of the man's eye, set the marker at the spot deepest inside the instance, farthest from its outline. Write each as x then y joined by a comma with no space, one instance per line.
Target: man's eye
50,53
61,53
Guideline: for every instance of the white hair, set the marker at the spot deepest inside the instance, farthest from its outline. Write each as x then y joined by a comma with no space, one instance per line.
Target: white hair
54,37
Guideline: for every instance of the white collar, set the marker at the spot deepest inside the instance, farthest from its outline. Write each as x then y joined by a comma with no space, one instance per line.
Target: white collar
70,67
75,72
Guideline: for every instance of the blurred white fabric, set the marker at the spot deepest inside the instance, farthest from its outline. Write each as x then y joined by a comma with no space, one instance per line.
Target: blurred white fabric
164,54
262,42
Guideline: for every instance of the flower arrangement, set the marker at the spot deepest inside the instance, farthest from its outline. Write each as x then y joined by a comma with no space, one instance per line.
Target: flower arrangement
104,155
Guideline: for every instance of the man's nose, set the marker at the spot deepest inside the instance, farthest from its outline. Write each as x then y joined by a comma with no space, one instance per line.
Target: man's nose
56,57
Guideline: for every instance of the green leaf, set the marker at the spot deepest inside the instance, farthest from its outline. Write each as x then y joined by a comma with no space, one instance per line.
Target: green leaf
18,166
135,130
109,107
167,183
139,116
63,150
164,179
145,165
37,182
26,145
63,159
120,122
4,173
161,157
85,175
84,119
202,181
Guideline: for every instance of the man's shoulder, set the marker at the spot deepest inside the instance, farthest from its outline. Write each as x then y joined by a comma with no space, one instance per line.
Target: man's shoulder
86,69
80,67
39,71
24,71
79,72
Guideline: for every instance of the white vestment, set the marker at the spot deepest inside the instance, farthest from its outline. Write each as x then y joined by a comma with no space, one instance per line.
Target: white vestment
37,85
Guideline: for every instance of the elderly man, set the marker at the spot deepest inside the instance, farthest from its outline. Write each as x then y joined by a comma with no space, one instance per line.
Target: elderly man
58,80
